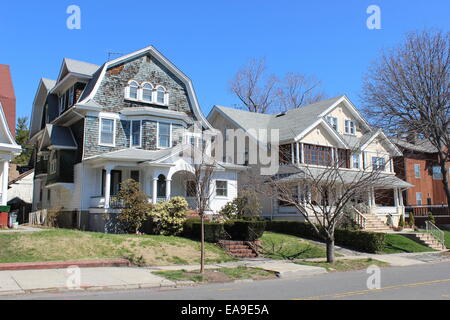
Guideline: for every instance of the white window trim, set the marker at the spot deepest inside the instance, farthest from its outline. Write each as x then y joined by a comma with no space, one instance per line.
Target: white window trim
350,122
166,95
358,157
170,135
335,120
440,173
421,199
131,134
127,91
141,96
227,189
100,143
415,171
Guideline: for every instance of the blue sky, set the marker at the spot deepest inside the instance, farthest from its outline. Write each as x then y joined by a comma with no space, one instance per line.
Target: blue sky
210,40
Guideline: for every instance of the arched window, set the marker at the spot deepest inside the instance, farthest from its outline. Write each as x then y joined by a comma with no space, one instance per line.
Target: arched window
161,189
147,90
161,95
133,89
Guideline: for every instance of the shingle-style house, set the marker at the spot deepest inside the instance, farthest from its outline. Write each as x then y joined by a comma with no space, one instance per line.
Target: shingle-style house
311,136
96,126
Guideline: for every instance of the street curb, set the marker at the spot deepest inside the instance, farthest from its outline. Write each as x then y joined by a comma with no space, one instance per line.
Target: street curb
64,264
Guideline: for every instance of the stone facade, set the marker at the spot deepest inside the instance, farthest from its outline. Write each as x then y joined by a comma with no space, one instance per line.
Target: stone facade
111,96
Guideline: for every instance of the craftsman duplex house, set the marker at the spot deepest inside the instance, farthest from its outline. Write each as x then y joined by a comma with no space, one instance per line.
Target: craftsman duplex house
313,135
96,126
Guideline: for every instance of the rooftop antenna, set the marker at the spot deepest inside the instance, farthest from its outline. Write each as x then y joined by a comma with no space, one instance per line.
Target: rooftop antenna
113,54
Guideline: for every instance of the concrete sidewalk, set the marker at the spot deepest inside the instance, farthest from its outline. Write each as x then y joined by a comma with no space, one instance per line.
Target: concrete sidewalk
121,278
30,281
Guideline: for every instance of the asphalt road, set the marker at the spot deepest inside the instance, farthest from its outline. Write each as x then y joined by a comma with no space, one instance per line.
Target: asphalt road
428,281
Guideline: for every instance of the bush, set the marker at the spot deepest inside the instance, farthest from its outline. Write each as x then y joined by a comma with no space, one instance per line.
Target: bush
358,240
401,222
246,205
168,216
213,231
431,218
135,204
244,230
412,221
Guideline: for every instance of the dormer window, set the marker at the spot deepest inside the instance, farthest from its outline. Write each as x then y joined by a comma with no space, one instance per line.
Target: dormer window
350,127
333,122
133,90
161,95
147,90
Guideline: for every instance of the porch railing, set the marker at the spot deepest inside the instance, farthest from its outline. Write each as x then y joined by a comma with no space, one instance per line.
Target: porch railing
423,211
435,232
359,218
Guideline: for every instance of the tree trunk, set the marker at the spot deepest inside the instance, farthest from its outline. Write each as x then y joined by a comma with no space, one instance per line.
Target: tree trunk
202,246
330,250
444,172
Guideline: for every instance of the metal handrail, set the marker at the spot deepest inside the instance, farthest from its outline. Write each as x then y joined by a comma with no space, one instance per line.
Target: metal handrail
435,232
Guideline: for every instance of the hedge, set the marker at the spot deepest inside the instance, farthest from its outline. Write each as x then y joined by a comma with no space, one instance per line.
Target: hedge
358,240
245,230
213,231
232,230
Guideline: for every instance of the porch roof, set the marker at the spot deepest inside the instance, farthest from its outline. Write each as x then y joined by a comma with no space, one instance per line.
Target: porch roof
292,174
135,155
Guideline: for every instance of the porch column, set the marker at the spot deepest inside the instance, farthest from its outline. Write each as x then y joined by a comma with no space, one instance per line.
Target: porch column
5,183
155,190
372,191
107,190
168,189
400,196
396,200
293,153
302,153
298,153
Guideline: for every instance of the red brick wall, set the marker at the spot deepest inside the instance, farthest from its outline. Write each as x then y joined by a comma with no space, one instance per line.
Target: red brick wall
8,98
429,187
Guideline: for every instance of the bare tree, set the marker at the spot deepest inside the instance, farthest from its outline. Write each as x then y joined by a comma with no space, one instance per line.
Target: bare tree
298,90
201,175
407,91
255,90
261,93
323,195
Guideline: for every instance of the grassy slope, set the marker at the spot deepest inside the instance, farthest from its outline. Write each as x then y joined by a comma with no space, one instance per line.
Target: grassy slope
281,246
60,244
396,243
447,239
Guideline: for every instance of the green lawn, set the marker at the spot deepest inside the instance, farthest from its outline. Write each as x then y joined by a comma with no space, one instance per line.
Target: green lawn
397,243
347,265
447,238
285,247
61,244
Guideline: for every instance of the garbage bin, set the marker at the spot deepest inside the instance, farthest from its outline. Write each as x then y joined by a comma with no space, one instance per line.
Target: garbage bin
12,219
4,216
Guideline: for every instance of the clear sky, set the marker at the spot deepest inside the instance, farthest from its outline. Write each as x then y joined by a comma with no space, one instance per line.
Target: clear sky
210,40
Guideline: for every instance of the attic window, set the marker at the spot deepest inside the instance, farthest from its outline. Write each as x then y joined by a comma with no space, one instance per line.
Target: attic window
133,89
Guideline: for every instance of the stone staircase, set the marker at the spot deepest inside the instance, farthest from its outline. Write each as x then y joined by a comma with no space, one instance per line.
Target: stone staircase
374,224
428,240
240,249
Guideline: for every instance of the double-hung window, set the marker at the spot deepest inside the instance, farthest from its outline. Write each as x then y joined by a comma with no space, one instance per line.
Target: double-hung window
437,174
221,188
133,89
419,198
136,133
378,163
160,95
355,160
164,135
349,127
417,171
147,91
107,131
333,122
